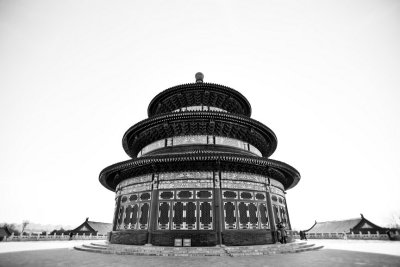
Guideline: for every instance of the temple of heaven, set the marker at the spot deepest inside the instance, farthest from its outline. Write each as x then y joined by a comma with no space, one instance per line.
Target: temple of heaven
199,172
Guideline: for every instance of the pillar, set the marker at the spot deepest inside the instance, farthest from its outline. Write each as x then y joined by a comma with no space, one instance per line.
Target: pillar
152,220
271,214
218,206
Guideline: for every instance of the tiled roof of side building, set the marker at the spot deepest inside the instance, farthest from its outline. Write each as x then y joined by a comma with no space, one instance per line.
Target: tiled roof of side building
343,226
4,231
100,227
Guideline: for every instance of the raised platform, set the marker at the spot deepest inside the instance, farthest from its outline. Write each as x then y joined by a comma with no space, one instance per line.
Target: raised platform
234,251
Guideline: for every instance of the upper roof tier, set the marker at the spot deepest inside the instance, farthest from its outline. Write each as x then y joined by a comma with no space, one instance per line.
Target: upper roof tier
199,94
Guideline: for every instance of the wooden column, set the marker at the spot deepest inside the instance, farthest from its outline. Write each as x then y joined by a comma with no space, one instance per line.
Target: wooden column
153,208
271,213
218,205
287,213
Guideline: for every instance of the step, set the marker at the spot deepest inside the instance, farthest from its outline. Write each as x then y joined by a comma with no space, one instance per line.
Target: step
94,247
236,251
99,245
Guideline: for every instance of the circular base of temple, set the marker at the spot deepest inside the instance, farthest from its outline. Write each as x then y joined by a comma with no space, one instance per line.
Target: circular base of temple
197,238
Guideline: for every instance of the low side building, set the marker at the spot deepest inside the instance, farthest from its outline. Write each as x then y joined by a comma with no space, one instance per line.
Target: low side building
91,227
4,233
356,225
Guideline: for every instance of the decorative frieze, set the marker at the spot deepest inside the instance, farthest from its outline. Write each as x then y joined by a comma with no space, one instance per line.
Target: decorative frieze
195,183
255,150
243,185
135,180
153,146
226,141
276,184
135,188
238,176
277,190
168,176
199,140
190,139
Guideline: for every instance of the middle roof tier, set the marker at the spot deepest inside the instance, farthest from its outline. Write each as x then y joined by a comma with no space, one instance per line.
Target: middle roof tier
217,124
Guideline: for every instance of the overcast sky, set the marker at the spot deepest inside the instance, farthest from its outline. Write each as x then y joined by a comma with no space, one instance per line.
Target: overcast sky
75,75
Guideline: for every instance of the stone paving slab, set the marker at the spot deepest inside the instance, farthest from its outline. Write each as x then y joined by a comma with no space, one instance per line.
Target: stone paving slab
373,246
70,257
41,245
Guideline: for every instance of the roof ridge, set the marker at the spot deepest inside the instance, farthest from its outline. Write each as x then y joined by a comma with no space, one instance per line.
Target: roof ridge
98,222
351,219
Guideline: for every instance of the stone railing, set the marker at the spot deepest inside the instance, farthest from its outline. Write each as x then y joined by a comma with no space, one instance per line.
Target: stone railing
367,236
47,237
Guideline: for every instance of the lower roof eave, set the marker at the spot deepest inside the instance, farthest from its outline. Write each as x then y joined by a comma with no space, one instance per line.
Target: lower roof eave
249,164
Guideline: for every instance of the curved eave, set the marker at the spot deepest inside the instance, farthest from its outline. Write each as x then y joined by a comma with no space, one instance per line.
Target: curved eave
151,110
156,162
170,118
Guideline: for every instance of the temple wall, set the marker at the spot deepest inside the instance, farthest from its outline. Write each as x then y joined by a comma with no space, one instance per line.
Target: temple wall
207,207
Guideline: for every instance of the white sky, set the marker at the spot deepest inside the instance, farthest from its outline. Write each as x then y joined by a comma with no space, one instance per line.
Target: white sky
75,75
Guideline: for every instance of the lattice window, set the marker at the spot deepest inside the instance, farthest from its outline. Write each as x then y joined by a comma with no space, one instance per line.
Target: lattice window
263,212
144,216
260,196
145,196
246,195
128,213
229,194
184,216
167,195
185,194
243,215
177,219
124,199
283,215
120,216
191,211
163,215
204,194
230,215
206,216
133,198
134,217
276,213
253,219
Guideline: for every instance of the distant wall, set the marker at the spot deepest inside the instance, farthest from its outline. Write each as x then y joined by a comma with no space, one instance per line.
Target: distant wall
47,237
352,235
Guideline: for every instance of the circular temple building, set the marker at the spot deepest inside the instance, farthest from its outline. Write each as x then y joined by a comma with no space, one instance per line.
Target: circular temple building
200,172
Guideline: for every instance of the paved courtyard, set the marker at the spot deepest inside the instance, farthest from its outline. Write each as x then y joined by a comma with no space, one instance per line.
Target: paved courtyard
330,256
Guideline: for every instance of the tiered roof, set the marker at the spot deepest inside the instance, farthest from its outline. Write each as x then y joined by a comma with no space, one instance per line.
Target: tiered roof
230,118
194,94
199,122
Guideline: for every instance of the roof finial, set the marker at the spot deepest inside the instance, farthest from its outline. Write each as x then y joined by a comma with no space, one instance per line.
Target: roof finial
199,77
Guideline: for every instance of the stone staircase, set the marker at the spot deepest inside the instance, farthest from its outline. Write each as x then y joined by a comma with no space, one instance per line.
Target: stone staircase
236,251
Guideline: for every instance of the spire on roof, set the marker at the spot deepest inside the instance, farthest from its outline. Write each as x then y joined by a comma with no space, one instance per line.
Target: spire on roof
199,77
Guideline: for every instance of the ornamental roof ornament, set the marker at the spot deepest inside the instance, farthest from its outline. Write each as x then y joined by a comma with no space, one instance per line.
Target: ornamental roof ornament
199,77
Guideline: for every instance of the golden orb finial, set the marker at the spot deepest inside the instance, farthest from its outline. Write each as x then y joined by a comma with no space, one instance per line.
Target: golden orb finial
199,77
